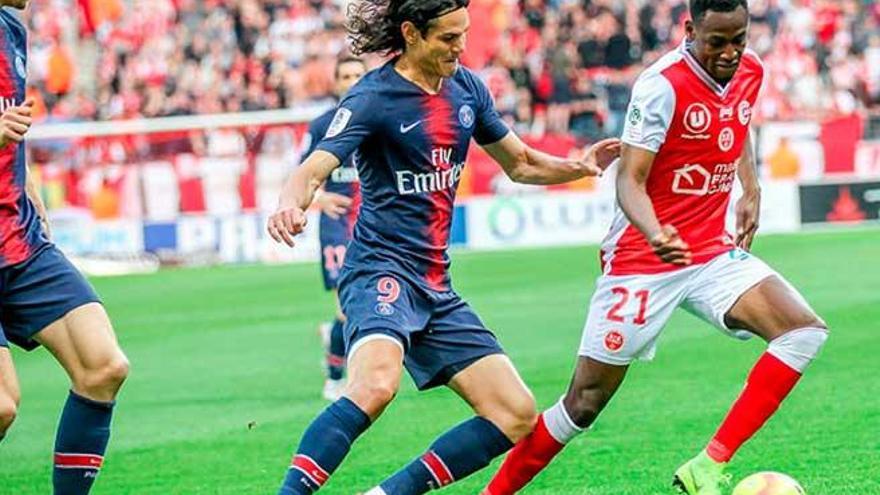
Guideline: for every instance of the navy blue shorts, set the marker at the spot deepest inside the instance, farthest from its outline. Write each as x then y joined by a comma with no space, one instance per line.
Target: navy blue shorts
440,333
334,236
36,293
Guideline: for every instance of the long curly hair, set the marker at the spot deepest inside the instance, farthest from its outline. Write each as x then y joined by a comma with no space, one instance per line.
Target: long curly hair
374,25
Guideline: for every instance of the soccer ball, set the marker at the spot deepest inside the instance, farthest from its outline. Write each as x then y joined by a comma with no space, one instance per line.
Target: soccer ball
768,483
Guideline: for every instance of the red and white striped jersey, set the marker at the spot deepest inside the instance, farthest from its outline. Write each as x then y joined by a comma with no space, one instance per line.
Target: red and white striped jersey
697,128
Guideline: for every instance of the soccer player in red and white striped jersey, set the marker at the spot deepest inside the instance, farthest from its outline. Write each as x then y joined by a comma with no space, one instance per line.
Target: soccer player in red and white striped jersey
686,140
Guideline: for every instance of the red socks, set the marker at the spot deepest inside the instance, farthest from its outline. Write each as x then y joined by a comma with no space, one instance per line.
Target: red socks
533,453
769,382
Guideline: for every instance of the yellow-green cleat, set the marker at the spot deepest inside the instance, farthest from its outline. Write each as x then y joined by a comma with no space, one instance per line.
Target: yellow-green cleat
701,476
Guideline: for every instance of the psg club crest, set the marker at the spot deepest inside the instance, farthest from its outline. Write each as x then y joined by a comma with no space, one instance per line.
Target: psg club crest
466,116
384,309
19,67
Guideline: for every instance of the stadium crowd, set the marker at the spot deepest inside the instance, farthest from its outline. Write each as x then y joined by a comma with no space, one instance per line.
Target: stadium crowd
553,65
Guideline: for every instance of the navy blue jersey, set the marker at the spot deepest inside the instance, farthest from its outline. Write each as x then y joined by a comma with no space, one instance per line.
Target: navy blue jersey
344,179
20,233
410,149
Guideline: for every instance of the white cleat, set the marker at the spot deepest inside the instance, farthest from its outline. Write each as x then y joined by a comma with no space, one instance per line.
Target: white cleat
333,389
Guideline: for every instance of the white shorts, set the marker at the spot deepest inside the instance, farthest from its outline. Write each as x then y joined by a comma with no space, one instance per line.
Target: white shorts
627,313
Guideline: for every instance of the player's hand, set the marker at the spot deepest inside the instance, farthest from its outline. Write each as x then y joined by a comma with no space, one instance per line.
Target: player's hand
15,122
333,205
601,155
670,247
286,223
748,210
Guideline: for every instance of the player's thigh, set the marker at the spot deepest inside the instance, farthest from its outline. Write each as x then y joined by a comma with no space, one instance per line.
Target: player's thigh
375,364
84,342
772,308
740,295
628,313
495,391
10,393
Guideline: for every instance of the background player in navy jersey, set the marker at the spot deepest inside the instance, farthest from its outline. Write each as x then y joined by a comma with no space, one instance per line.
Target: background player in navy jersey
43,299
409,124
338,202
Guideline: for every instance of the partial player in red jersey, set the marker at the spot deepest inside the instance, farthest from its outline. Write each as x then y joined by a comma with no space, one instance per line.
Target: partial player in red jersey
44,300
686,140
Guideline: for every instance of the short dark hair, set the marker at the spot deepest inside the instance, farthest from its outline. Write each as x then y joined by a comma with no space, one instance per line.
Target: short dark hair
348,59
374,25
700,7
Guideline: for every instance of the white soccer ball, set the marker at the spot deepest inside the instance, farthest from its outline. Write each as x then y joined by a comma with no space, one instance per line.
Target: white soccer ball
768,483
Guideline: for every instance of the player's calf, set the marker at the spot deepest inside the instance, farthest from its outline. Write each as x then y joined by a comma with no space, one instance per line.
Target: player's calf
593,386
375,375
769,383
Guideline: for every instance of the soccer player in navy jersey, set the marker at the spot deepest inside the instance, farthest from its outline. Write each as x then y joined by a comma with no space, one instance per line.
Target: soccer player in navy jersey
44,300
338,201
409,124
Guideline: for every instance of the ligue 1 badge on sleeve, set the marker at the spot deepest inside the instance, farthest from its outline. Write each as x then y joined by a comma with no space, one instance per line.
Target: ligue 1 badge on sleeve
466,116
19,67
635,116
340,121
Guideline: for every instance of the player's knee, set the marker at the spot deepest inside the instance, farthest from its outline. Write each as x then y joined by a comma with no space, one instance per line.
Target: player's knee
524,417
585,403
8,412
373,396
516,416
798,348
106,379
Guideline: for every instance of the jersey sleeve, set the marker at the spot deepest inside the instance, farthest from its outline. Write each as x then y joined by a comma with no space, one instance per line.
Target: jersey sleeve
650,113
317,129
355,119
489,126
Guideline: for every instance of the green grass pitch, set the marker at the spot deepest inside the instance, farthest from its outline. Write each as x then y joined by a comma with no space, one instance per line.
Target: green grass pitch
225,377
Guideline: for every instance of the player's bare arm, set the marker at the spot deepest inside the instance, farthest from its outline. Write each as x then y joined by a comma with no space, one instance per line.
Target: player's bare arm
748,208
15,123
297,195
635,165
527,165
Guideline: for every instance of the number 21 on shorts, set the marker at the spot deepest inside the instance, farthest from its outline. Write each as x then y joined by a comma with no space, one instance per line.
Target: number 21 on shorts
623,297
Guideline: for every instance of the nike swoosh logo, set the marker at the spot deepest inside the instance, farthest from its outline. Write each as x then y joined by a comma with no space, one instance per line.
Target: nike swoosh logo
406,128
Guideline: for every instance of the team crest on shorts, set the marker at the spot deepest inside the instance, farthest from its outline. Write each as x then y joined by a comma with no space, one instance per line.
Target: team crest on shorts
384,309
466,116
20,67
614,341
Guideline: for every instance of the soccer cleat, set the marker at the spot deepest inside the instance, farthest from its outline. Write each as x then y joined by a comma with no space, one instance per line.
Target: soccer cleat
333,389
701,476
